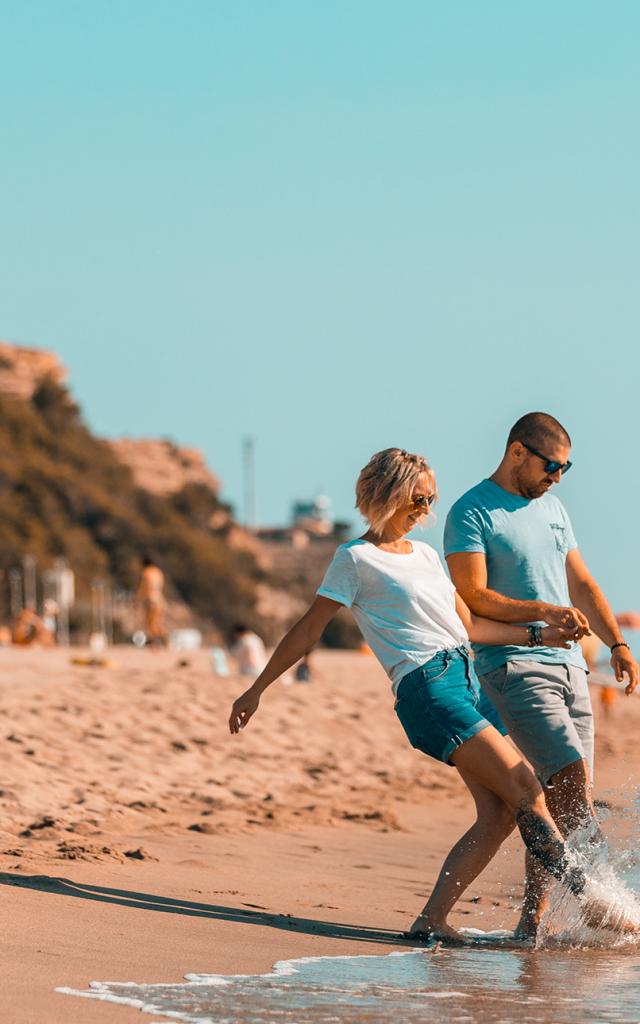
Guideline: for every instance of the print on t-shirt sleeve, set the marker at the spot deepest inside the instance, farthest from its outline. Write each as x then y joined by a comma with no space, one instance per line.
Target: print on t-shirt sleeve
340,581
463,530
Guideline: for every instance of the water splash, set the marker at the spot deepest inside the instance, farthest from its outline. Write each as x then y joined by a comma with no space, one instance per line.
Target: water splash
611,878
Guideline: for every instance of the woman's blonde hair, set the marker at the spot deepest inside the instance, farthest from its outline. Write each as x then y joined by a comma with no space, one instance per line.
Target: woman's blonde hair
387,483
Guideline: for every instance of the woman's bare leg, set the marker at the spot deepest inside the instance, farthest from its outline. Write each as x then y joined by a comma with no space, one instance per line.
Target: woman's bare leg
467,859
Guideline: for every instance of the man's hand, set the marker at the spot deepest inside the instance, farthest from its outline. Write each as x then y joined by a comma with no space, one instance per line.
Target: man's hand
624,664
243,708
571,619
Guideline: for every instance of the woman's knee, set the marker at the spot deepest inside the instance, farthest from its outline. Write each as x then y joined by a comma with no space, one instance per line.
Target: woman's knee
507,820
496,816
503,821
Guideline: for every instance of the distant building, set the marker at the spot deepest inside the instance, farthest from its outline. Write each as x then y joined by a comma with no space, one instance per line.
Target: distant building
311,521
313,516
299,553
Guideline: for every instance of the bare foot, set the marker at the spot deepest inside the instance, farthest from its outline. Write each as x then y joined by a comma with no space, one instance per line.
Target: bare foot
425,928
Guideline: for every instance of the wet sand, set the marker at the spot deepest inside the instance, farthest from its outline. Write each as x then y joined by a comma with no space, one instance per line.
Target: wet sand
139,841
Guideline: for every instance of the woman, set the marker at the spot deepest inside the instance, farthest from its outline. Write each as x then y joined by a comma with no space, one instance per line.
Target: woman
419,628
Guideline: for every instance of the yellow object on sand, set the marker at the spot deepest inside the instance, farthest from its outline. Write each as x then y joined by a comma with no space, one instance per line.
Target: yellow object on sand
93,662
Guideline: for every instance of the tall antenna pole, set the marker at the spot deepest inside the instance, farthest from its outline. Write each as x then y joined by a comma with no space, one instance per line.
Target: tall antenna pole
248,464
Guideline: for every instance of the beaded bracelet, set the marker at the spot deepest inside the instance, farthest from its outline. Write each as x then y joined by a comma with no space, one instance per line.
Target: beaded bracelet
623,643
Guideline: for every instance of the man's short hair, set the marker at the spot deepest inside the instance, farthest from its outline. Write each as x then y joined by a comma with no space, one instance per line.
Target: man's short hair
537,429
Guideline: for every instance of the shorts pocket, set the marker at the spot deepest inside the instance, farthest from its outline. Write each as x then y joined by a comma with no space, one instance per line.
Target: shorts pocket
496,679
431,675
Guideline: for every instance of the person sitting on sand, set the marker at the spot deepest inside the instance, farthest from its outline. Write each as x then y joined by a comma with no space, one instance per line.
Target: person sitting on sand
28,628
419,629
248,650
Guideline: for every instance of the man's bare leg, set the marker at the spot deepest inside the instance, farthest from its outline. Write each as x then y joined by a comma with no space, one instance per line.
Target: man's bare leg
494,823
568,795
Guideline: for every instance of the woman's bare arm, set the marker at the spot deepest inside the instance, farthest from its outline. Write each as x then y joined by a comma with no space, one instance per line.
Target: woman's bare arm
293,646
488,631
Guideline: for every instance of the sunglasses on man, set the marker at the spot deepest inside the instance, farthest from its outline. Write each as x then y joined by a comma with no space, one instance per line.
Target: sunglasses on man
550,465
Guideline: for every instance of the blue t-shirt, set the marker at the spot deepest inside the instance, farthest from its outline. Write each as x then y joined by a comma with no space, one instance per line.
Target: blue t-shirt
526,542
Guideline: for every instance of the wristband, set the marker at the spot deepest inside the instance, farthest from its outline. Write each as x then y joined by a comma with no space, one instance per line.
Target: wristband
535,636
623,643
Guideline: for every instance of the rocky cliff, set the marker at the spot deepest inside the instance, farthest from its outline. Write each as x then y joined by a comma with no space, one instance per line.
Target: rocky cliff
162,467
22,369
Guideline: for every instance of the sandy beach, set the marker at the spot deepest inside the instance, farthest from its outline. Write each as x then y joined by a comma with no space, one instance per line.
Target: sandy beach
139,841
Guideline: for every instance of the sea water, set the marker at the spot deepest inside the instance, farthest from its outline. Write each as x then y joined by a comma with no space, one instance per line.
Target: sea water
476,985
574,974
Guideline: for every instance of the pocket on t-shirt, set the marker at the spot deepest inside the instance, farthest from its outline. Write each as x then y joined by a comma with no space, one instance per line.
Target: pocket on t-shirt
561,538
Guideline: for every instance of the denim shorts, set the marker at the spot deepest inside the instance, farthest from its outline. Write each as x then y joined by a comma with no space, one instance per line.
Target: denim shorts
440,704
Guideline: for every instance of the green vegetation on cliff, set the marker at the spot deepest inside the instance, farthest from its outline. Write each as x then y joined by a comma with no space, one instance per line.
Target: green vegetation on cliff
63,493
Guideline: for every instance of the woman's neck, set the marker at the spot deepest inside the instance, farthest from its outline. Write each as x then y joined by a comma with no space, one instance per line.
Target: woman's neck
389,541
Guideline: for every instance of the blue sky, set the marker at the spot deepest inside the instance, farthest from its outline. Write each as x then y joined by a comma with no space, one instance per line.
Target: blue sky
335,227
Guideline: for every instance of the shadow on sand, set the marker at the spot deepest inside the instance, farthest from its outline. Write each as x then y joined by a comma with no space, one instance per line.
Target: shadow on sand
168,905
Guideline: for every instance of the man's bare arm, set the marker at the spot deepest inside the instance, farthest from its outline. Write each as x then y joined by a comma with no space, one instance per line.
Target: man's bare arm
588,597
469,574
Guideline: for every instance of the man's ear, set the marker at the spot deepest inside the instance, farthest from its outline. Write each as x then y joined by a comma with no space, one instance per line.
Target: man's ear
517,451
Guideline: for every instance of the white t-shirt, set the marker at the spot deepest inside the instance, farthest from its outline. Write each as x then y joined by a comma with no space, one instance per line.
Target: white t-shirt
403,604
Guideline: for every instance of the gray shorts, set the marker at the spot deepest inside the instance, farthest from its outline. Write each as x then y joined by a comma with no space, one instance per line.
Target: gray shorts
547,712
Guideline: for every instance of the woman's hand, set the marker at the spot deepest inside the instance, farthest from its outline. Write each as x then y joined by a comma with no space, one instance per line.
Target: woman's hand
558,636
243,708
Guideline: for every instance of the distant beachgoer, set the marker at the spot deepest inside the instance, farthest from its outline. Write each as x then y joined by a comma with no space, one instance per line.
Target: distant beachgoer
219,662
28,628
418,627
50,612
248,650
151,596
513,557
303,670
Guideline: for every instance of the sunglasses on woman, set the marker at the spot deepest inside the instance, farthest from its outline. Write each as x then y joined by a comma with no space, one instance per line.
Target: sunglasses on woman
423,500
550,465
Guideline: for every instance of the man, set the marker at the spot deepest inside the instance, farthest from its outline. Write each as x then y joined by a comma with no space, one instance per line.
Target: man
513,556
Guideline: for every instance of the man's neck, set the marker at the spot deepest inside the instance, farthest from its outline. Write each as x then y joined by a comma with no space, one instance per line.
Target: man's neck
503,477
